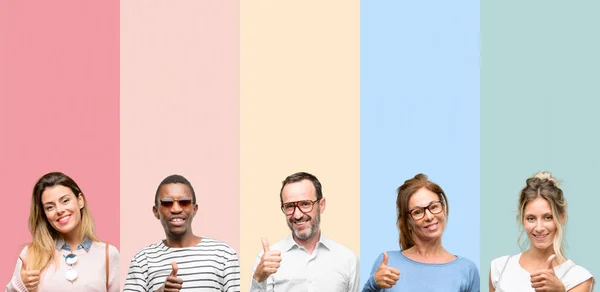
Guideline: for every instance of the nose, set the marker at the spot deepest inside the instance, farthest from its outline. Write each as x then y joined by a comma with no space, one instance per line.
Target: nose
176,208
539,226
428,215
60,209
297,214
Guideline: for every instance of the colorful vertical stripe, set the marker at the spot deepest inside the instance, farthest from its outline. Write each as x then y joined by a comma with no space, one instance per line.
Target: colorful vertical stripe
539,101
299,112
419,114
59,110
179,115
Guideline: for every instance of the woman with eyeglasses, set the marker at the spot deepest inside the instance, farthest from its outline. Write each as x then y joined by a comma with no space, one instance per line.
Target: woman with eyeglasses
65,254
422,264
543,266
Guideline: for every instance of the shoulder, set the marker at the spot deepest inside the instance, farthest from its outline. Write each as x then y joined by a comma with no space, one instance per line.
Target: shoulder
498,265
279,245
573,274
150,249
23,252
112,250
500,261
217,246
339,249
467,266
465,262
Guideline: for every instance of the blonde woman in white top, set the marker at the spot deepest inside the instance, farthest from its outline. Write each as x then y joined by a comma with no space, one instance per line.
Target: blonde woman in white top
543,266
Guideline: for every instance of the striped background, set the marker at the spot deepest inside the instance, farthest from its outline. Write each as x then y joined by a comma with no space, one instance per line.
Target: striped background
236,95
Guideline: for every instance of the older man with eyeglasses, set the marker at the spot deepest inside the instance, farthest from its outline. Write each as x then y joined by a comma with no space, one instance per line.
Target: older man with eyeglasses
305,260
183,261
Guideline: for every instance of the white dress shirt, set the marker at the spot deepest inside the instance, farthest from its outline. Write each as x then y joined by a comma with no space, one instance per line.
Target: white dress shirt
331,267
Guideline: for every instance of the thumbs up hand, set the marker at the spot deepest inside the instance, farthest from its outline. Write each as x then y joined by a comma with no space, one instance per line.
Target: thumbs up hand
269,263
545,280
172,283
386,276
30,278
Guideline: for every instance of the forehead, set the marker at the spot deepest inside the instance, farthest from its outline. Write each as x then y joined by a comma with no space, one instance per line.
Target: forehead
176,190
538,206
422,198
51,194
298,191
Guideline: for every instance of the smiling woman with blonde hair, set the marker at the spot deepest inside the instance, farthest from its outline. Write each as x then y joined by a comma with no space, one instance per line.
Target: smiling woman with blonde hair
543,266
65,254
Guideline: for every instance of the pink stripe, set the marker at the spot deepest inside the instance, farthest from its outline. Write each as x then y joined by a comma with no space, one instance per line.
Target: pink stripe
180,114
59,109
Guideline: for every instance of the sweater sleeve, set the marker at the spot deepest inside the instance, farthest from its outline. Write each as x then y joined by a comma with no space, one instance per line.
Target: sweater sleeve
371,285
231,272
114,283
16,284
137,276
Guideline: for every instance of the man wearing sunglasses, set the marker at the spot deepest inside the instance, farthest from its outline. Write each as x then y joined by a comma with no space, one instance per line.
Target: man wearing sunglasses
183,260
305,260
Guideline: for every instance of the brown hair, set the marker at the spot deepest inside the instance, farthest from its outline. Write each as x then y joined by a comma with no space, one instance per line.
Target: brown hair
300,176
405,192
543,185
40,252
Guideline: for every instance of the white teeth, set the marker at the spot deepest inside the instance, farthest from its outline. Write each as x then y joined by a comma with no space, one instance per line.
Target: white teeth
176,220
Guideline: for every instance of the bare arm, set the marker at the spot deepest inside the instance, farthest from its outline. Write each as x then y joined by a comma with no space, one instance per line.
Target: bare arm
585,286
491,286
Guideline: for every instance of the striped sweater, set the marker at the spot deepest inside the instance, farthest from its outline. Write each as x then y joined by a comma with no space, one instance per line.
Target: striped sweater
211,265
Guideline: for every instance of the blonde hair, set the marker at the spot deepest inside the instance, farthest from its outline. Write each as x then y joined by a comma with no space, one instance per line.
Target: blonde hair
40,252
405,192
544,185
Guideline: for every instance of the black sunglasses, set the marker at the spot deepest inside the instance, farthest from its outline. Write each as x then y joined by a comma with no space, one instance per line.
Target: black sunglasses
168,202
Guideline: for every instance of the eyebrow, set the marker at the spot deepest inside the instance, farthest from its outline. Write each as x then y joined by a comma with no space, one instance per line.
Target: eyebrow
545,214
434,201
52,203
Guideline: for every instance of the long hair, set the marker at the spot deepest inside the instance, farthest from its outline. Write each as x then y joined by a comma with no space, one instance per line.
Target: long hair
405,192
543,185
40,252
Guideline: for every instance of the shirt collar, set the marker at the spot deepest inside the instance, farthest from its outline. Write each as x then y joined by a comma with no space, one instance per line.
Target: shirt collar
291,243
85,244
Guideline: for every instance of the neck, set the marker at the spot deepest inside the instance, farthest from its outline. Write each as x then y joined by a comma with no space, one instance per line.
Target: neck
73,238
309,244
538,254
429,248
187,239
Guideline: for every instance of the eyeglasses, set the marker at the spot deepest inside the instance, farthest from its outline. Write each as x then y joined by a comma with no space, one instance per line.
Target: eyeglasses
305,206
434,207
168,202
71,274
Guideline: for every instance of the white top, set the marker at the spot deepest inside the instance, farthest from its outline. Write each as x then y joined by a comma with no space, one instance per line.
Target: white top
510,276
210,265
331,267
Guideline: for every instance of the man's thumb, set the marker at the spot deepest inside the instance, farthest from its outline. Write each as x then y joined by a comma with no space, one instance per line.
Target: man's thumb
175,268
265,244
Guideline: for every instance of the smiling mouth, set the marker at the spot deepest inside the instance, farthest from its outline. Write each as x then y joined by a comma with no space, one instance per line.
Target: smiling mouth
177,221
432,226
64,219
540,237
300,223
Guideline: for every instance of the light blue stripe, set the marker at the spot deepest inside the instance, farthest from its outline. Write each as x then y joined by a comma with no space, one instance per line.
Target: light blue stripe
419,113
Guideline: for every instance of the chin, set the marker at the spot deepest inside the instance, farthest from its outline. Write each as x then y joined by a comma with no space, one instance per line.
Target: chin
63,229
303,236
